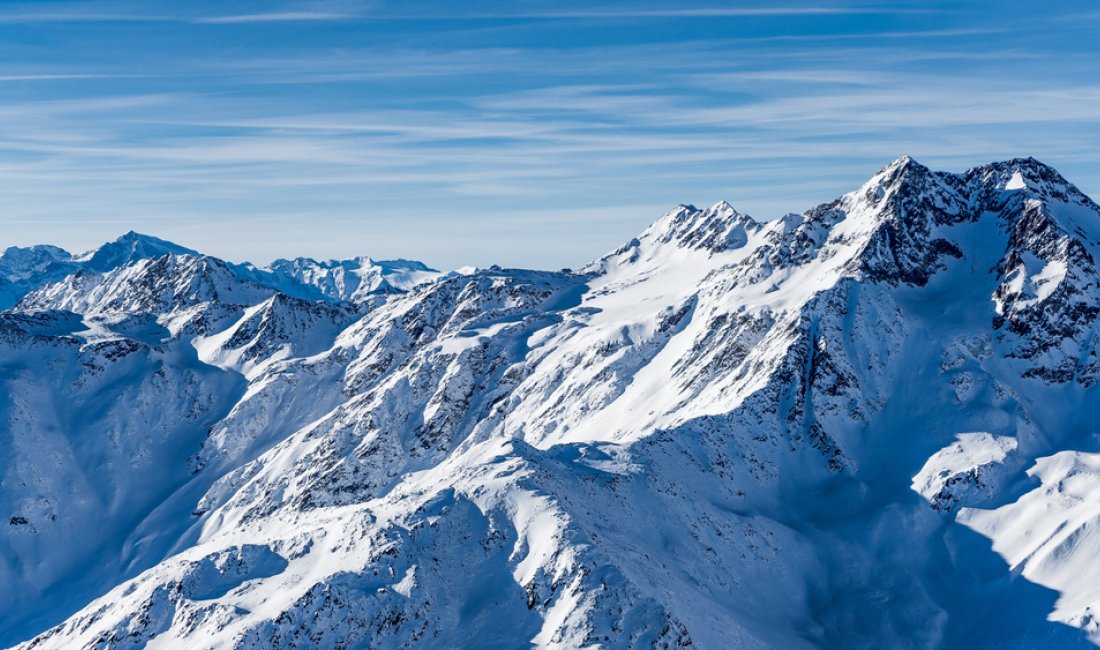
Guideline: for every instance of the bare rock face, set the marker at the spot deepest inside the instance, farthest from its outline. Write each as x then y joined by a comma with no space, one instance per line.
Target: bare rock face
854,427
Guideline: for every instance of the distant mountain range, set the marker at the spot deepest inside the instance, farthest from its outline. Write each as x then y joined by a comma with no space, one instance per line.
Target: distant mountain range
23,270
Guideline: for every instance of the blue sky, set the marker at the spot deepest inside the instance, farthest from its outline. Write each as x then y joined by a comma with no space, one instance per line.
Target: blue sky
519,133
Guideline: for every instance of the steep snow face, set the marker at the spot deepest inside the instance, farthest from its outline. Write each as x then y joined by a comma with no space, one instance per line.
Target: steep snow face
278,328
97,414
354,279
800,433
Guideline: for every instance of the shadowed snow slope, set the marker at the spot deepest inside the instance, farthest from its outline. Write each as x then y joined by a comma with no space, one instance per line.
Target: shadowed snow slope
866,426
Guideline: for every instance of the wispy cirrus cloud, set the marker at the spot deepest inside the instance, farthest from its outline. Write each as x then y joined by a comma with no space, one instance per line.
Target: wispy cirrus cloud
641,11
64,76
274,17
481,125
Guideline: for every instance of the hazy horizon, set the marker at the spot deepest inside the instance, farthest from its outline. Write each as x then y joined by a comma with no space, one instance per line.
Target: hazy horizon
528,135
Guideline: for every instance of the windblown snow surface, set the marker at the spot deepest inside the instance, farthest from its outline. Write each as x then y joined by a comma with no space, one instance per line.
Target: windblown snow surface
871,425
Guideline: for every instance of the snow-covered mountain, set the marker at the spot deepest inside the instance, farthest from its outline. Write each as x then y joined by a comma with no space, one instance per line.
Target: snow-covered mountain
23,270
356,278
868,425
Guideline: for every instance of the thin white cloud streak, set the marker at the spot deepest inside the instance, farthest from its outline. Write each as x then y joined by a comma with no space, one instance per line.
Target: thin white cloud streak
684,12
293,16
273,17
526,133
870,48
64,77
530,166
61,17
369,64
85,105
290,16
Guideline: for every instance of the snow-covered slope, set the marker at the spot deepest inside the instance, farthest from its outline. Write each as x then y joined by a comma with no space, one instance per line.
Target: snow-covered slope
869,425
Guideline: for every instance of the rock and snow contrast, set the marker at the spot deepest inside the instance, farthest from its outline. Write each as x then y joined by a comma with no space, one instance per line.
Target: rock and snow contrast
870,425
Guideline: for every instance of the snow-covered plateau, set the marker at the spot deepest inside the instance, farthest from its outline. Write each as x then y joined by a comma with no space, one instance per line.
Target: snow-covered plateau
875,424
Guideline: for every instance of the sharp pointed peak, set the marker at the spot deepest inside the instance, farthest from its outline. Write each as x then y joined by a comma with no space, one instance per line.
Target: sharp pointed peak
903,161
722,207
901,167
717,228
902,175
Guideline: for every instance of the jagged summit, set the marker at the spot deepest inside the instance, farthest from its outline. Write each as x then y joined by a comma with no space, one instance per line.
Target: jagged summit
713,229
1031,176
685,230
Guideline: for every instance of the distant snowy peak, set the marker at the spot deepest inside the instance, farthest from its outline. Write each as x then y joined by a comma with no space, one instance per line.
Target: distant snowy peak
356,278
25,271
128,249
22,269
18,263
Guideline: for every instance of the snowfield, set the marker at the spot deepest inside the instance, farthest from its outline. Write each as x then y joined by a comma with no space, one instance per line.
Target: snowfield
871,425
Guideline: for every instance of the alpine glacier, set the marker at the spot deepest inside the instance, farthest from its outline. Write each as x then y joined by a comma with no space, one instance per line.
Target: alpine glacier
873,424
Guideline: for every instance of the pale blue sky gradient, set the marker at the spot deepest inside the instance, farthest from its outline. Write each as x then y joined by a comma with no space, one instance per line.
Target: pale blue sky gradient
518,133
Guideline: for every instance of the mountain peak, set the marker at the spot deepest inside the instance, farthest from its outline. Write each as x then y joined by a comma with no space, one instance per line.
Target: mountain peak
898,172
901,162
129,248
722,208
